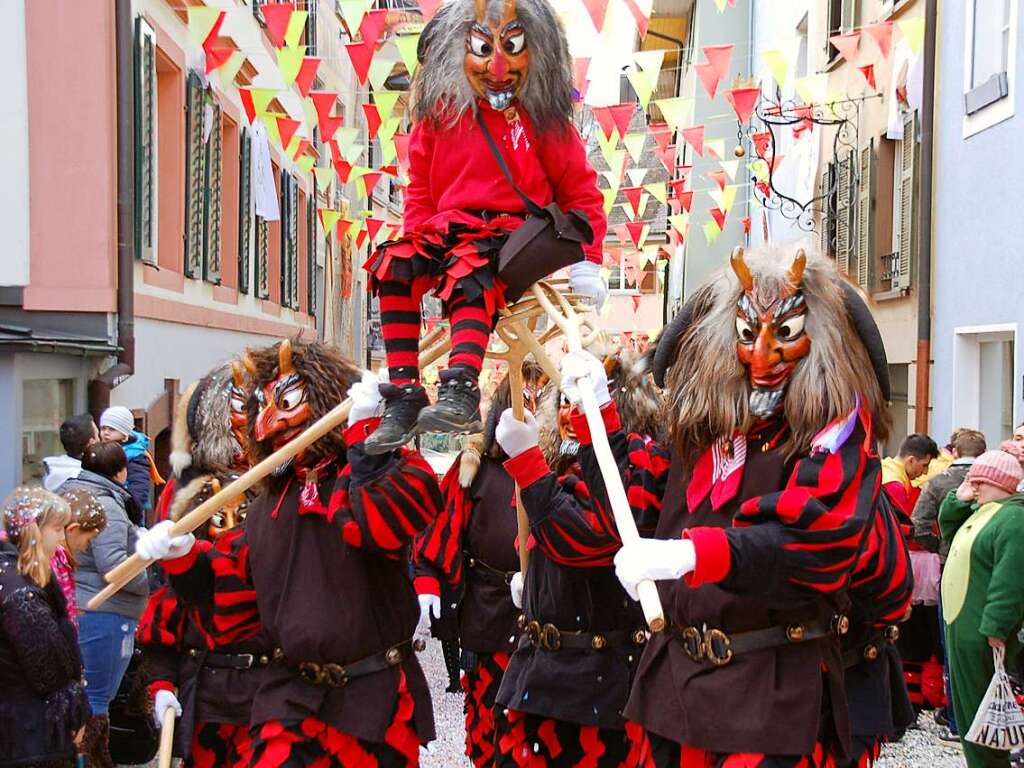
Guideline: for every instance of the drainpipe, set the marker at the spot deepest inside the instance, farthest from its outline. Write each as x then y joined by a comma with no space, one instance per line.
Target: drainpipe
924,268
100,387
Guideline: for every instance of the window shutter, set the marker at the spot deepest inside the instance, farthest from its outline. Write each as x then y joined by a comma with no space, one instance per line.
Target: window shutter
311,6
214,203
195,178
244,211
145,142
865,217
824,185
908,181
844,209
289,241
313,240
262,258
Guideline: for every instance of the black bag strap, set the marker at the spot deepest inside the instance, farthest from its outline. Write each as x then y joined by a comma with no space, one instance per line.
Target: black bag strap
531,206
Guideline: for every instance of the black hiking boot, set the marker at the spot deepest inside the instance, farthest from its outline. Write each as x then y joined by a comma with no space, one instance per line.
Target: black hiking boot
458,405
398,424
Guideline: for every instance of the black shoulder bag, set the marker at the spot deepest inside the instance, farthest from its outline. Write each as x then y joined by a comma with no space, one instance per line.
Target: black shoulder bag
549,240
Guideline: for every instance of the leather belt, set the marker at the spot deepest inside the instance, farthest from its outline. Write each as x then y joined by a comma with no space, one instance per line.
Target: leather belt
871,648
239,661
718,647
488,215
548,637
338,675
476,562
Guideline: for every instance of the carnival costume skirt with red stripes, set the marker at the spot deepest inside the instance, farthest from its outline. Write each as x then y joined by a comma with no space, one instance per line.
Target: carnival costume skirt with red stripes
532,741
462,260
669,754
219,745
315,744
481,684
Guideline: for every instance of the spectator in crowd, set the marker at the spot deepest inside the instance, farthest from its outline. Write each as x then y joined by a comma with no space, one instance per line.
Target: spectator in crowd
42,704
1015,447
1018,434
87,522
76,434
982,584
107,637
965,445
118,426
915,454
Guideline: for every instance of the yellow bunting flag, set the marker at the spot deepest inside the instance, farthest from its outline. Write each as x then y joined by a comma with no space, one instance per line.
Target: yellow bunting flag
261,98
618,161
680,223
388,153
635,145
812,89
658,191
650,62
328,218
289,60
380,68
720,5
607,145
296,25
724,198
775,61
711,231
636,176
609,199
352,11
324,178
759,168
642,86
270,121
407,50
229,69
677,112
200,23
913,32
385,101
305,163
389,128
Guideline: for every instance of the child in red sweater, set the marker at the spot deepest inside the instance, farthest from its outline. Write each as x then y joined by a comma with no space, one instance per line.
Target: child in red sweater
515,77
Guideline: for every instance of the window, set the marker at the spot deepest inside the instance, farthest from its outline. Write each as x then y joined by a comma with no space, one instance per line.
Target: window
262,258
145,142
864,254
896,266
311,6
289,241
45,404
204,142
990,40
842,18
619,281
985,376
244,211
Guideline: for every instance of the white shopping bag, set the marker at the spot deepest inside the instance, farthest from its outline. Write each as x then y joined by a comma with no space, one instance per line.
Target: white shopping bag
999,723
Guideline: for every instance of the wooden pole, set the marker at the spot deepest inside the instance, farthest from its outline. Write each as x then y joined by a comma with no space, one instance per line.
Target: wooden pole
120,575
166,738
566,318
515,383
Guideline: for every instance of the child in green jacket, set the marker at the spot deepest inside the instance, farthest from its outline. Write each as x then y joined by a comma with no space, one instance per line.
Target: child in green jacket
982,584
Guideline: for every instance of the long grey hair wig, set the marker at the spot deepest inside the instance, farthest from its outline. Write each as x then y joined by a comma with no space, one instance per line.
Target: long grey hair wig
442,93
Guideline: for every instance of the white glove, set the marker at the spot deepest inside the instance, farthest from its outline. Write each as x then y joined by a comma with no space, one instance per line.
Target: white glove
576,366
430,605
516,587
366,398
158,544
163,701
516,436
654,560
585,278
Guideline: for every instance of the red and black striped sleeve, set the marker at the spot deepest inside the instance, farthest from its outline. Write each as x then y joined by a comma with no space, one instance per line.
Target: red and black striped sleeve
160,632
883,581
384,501
437,551
805,537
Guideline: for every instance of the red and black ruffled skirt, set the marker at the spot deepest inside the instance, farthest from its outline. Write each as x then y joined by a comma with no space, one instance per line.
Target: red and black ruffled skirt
463,260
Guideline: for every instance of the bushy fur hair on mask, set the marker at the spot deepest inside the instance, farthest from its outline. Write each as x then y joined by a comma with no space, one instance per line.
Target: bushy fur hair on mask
327,376
201,437
441,91
708,388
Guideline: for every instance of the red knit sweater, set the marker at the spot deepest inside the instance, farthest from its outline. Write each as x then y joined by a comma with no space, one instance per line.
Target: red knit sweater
453,172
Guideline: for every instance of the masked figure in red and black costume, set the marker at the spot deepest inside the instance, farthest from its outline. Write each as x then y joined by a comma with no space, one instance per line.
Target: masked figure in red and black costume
503,65
561,698
200,662
321,564
471,548
775,400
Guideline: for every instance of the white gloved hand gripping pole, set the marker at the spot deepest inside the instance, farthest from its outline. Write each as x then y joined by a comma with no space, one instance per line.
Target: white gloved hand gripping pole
566,318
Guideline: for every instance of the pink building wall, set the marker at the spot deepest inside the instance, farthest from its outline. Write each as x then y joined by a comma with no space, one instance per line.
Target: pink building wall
72,155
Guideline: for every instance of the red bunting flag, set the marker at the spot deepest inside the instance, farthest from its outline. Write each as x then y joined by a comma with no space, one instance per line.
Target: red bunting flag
277,16
881,33
869,74
686,198
361,238
641,19
307,73
746,224
612,257
662,133
323,102
633,196
370,181
361,54
635,229
597,10
388,170
719,57
708,78
636,302
304,144
667,155
763,188
694,136
329,126
622,114
401,141
214,32
428,8
287,127
247,104
373,226
762,142
742,101
678,186
846,45
718,177
393,230
372,119
372,26
603,115
344,169
718,216
580,67
216,57
344,225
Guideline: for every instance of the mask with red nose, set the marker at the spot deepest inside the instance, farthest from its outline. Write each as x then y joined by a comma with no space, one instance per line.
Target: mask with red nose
497,58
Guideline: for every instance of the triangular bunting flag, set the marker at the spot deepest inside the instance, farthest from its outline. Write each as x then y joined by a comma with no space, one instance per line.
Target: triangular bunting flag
306,163
680,223
580,67
745,221
812,89
635,145
694,136
352,12
869,74
372,25
881,33
301,145
401,142
204,24
658,191
597,10
622,116
762,142
286,128
642,86
846,45
344,225
373,227
370,182
385,101
296,26
372,119
719,57
725,197
216,57
289,60
718,177
329,126
428,8
730,167
307,73
708,77
228,69
711,231
407,45
719,216
676,111
609,199
636,175
686,200
775,61
668,157
381,67
637,232
650,62
277,16
256,100
633,196
742,101
678,186
603,116
360,54
662,134
641,15
636,302
324,178
715,148
608,145
328,216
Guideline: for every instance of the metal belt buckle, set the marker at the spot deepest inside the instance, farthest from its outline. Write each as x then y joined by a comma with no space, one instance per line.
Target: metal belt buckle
333,675
891,633
717,647
248,659
310,672
532,630
693,644
550,637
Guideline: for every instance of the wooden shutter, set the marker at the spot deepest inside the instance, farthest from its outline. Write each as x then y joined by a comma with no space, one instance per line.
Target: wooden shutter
214,204
145,142
827,219
865,217
844,209
262,258
289,241
311,6
244,211
195,177
907,193
313,241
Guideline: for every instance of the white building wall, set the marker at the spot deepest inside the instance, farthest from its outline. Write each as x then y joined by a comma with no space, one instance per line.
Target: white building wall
14,134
